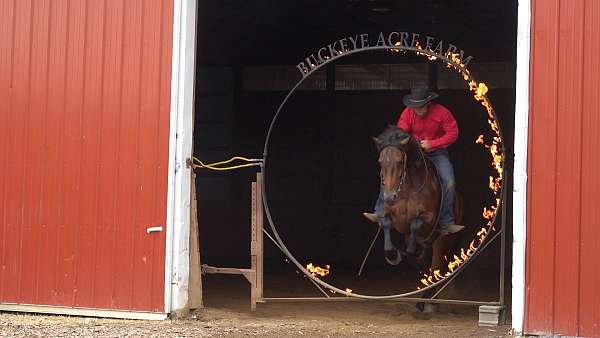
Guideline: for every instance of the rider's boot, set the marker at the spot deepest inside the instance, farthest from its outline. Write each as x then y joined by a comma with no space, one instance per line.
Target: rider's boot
371,217
449,229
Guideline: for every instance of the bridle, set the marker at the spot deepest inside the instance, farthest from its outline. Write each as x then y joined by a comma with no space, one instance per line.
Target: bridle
404,159
403,177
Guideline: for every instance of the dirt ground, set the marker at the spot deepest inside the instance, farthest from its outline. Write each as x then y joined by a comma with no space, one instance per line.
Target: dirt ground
227,314
274,320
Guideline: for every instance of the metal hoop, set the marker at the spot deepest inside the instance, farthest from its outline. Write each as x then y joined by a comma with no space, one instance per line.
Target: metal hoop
286,251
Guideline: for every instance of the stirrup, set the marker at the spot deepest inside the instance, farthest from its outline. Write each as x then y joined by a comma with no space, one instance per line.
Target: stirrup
451,229
371,217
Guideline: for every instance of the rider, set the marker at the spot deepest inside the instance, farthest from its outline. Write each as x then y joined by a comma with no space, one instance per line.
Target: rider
434,127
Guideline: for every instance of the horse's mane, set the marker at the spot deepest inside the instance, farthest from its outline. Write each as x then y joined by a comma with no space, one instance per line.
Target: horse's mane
392,136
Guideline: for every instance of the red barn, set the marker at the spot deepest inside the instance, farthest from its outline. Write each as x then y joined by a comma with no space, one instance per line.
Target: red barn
88,175
96,101
561,265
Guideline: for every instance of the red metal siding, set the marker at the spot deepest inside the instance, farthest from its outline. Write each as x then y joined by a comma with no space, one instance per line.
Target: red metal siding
563,269
84,118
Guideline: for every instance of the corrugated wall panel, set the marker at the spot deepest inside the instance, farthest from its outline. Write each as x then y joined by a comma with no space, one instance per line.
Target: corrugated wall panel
53,189
6,39
563,222
67,241
542,178
589,250
162,149
84,141
568,167
129,145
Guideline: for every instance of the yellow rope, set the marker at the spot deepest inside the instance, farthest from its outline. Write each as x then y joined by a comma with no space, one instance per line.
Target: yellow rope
215,166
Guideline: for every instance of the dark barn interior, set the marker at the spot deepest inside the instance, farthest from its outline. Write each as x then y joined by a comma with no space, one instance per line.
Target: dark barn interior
322,170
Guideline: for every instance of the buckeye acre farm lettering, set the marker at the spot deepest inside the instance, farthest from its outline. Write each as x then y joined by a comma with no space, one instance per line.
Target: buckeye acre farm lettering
402,40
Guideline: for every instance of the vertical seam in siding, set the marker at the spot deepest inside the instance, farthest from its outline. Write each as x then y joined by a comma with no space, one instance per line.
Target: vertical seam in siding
25,150
137,156
118,151
158,142
581,144
99,149
531,152
5,162
12,58
61,142
556,173
81,122
44,177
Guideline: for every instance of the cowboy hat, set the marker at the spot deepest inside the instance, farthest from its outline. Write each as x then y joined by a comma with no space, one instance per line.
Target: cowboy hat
418,97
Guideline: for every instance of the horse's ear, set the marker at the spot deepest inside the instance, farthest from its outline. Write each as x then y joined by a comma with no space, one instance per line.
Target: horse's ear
405,140
377,141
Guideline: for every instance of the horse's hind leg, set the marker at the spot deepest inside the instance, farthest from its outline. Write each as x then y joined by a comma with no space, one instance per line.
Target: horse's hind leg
440,247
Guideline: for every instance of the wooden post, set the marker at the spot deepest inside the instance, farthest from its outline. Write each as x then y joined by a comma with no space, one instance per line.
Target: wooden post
195,282
253,249
256,244
259,238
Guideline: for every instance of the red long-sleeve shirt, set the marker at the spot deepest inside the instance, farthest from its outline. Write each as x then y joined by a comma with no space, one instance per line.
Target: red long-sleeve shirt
438,125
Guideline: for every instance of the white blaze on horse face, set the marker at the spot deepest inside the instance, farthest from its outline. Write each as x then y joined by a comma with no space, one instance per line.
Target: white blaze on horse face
393,162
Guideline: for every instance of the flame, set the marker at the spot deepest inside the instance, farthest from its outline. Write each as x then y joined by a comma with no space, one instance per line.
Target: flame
348,290
463,255
479,140
488,214
317,270
480,92
427,53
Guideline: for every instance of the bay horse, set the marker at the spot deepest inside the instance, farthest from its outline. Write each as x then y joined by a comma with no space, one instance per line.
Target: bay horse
412,196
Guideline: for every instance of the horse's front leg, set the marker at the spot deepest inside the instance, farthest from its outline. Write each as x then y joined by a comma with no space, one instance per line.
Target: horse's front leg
415,227
391,253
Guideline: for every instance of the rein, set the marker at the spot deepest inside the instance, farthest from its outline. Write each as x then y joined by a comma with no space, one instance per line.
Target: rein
426,167
403,177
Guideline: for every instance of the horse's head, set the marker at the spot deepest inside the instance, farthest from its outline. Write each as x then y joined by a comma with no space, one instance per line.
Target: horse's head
393,145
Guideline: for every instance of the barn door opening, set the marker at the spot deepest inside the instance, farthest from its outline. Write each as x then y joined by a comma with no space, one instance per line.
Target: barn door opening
323,164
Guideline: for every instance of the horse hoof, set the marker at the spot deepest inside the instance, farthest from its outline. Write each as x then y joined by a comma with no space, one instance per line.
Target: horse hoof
393,257
452,229
427,307
430,308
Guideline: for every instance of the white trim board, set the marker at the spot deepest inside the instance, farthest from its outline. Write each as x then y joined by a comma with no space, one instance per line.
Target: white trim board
86,312
520,165
180,149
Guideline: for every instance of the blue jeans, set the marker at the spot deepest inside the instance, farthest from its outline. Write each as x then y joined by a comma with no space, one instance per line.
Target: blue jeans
441,160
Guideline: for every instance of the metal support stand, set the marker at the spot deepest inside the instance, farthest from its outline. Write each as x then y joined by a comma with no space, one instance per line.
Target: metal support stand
494,315
254,275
